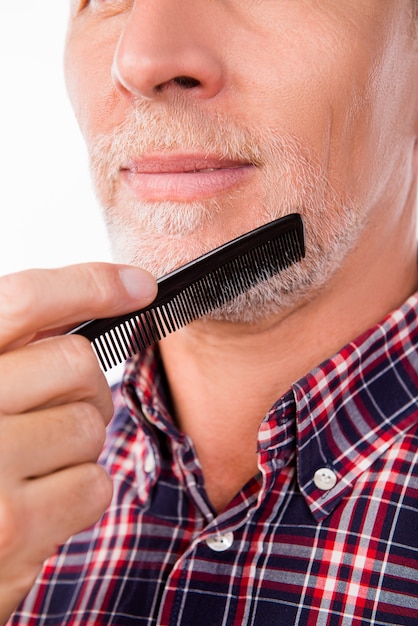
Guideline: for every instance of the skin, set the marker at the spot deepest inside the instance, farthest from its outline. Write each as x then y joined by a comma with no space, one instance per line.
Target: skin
343,90
54,414
334,66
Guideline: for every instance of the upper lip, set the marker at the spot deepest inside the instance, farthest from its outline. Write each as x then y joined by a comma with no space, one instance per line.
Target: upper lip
170,163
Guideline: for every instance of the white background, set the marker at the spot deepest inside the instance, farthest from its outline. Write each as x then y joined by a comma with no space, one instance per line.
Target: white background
49,215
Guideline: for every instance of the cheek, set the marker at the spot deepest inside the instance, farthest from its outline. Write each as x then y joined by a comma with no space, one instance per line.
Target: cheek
324,97
89,83
295,98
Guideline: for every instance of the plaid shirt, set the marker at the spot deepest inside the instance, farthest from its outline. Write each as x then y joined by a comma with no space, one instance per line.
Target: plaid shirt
325,534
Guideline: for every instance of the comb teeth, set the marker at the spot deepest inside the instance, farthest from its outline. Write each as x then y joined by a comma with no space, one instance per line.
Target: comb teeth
197,289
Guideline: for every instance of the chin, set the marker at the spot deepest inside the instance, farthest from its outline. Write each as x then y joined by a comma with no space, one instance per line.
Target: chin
273,298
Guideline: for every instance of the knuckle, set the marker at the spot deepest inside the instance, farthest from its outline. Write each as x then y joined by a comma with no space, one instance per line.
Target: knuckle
101,282
90,428
91,383
16,291
78,351
96,493
107,407
19,294
77,357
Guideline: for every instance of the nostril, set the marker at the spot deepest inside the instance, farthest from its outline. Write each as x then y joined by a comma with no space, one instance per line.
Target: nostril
187,82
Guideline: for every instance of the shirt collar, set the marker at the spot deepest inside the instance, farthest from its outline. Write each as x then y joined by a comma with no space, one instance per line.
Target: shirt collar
353,407
348,411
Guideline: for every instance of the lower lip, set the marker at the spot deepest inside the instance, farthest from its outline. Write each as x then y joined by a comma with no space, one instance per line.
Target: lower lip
184,186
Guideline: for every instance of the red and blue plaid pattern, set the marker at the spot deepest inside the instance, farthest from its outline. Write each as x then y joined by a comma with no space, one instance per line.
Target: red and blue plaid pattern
284,552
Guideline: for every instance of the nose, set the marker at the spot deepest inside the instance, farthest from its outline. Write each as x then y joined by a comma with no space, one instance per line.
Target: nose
168,46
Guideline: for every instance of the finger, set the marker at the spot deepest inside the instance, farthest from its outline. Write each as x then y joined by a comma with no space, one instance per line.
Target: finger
43,513
74,498
51,298
40,443
52,372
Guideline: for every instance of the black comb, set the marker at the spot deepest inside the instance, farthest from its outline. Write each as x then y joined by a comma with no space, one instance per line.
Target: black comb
198,288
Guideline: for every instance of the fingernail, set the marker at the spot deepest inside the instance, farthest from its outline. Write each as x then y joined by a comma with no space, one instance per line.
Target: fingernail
138,283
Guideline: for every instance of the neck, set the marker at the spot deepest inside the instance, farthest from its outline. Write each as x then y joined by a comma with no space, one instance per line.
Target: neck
224,377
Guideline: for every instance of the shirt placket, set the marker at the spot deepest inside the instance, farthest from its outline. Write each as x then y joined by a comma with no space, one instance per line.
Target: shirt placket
220,532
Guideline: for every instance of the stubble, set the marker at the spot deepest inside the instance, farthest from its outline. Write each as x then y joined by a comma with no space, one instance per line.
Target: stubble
161,236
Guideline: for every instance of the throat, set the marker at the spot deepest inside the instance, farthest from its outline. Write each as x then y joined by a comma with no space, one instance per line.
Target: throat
226,470
219,398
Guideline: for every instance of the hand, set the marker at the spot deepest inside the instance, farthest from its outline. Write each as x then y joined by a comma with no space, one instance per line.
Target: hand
54,406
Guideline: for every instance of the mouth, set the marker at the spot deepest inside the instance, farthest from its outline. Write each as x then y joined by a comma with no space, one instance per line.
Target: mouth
183,177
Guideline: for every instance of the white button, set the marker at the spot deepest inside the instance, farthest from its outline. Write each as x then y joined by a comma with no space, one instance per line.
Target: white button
220,543
149,465
325,478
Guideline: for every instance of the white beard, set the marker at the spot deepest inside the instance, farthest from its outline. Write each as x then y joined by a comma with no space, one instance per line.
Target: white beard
161,236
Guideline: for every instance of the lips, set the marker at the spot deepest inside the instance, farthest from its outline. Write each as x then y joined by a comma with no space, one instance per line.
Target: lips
181,177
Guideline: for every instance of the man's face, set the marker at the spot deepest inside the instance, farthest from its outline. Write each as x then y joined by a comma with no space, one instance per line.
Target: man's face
205,119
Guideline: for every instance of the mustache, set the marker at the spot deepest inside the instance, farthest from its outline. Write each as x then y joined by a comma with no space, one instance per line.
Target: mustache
176,128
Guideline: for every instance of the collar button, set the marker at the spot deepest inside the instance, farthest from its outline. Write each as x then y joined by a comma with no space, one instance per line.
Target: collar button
325,478
220,543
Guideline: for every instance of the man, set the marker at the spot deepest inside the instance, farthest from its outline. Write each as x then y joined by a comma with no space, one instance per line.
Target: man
262,459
